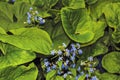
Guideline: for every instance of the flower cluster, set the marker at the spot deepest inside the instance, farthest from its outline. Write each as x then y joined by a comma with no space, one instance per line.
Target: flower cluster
64,61
33,17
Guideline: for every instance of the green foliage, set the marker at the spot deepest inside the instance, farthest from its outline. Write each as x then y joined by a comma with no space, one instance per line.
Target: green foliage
14,56
50,75
74,4
111,62
80,27
95,24
108,76
29,39
19,73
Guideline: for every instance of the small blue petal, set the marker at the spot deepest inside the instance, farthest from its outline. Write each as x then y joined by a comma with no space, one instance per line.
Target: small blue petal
94,78
48,69
65,75
79,68
28,21
73,65
46,63
31,8
53,52
67,52
90,58
60,58
54,66
91,70
80,51
59,52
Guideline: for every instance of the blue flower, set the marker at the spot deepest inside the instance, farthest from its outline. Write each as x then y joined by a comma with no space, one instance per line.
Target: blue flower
46,63
64,66
48,69
72,58
69,72
29,15
12,1
28,21
73,65
66,62
94,78
59,73
53,52
73,54
82,73
91,70
87,75
31,9
59,52
54,66
90,58
79,68
80,51
60,58
76,78
45,60
65,75
67,52
42,21
73,49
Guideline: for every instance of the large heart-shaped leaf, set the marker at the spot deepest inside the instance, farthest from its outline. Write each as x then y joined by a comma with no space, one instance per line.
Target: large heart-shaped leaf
113,19
14,56
20,10
111,62
19,73
79,26
74,4
13,16
59,36
33,39
108,76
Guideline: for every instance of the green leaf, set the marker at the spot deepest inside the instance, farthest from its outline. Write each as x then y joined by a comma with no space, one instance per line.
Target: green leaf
33,39
2,31
80,27
19,73
73,71
14,56
113,19
98,49
74,4
26,1
82,77
16,17
59,36
90,2
59,78
108,76
5,18
45,4
56,33
111,62
96,10
50,74
20,11
59,63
